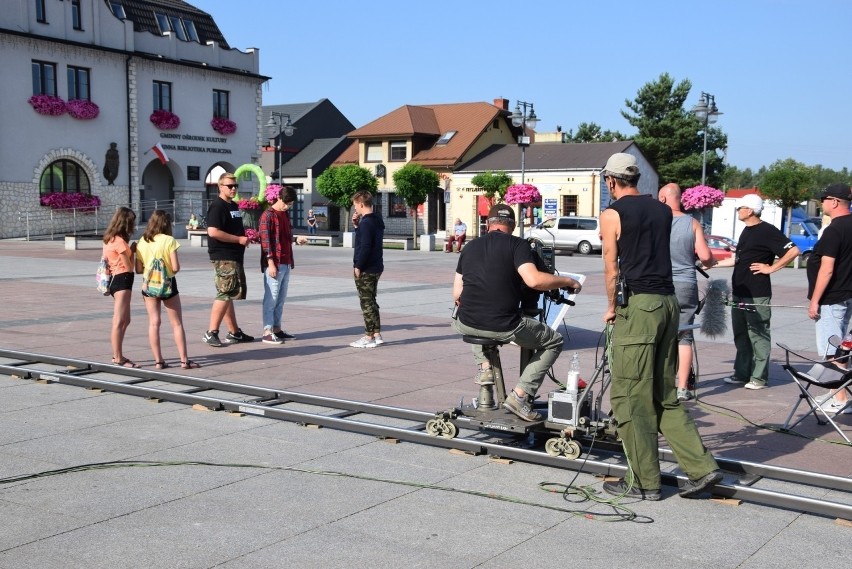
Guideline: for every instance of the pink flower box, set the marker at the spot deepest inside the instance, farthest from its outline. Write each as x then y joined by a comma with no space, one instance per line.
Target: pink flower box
48,105
70,200
700,197
165,120
82,109
522,194
224,126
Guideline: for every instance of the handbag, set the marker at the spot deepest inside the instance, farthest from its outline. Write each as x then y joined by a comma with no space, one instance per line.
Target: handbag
103,277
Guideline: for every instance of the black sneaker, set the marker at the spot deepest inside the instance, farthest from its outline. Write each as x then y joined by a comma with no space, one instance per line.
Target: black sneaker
522,407
619,488
239,336
211,338
692,488
282,335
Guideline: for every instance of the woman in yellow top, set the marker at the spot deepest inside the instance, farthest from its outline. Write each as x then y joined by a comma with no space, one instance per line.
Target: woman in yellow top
119,255
158,243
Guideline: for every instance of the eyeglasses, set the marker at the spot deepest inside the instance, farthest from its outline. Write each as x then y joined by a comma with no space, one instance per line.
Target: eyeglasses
743,207
230,186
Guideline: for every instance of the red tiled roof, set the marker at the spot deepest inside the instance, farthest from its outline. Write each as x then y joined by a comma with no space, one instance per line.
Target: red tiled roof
740,192
469,120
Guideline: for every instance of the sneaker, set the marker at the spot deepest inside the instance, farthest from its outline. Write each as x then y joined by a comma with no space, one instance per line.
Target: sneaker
694,487
522,407
364,342
284,335
684,394
377,338
735,380
271,338
619,488
211,338
239,337
832,406
485,377
754,385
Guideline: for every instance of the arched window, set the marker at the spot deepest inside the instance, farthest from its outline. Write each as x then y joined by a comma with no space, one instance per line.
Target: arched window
64,176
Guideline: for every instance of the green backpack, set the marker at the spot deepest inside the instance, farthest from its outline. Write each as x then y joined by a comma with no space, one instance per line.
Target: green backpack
157,282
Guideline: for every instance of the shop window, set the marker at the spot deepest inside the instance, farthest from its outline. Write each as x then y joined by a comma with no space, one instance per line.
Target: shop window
397,206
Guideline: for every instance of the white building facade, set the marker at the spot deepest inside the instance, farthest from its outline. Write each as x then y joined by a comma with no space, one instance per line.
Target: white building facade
112,64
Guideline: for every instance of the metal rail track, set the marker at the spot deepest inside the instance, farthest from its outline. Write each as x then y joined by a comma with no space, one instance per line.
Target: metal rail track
355,416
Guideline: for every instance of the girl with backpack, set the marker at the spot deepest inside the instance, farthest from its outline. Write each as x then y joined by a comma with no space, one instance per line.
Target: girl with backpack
156,249
119,256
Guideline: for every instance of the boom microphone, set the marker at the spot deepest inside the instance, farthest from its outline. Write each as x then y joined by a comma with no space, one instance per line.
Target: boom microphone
714,303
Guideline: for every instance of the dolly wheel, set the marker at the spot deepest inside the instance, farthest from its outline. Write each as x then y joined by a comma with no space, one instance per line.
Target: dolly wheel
441,428
572,449
552,446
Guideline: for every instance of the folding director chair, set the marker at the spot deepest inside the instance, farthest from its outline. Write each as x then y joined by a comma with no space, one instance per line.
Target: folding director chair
825,374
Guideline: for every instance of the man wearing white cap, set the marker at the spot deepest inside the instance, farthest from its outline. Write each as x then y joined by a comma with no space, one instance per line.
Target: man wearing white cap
761,250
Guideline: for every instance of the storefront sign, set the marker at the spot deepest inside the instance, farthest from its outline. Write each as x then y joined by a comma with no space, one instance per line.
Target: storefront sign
197,138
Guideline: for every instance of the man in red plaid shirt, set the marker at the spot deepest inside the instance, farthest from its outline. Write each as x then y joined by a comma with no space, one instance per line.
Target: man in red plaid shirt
276,259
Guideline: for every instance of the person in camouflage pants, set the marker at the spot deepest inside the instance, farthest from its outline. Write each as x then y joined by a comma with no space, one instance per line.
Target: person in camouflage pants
368,264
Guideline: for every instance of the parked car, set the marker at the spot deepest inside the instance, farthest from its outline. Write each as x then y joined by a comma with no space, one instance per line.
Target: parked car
572,233
721,246
722,241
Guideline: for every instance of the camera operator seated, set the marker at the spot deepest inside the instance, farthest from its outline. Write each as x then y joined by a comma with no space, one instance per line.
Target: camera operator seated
487,288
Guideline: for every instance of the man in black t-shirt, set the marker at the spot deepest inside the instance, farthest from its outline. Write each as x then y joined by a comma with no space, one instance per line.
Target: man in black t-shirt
761,250
226,245
830,279
487,289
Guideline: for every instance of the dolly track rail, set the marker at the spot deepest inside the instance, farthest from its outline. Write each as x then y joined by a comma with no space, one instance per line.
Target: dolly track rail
259,401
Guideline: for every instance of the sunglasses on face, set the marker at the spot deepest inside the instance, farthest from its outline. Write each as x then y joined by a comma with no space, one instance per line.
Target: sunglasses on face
231,186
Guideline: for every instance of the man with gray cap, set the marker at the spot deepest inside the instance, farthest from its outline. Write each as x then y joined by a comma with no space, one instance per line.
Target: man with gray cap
487,290
643,313
830,280
761,250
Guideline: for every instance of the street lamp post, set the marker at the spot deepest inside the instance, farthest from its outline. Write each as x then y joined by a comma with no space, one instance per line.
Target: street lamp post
706,112
522,118
286,128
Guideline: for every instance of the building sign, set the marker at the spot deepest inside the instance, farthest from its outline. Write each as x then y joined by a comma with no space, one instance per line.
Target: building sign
550,205
195,138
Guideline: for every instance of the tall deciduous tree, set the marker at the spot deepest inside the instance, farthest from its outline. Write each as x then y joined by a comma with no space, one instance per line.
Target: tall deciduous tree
493,184
339,183
592,132
671,137
788,183
414,183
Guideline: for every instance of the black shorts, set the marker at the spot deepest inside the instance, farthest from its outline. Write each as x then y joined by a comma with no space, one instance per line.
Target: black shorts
172,295
121,281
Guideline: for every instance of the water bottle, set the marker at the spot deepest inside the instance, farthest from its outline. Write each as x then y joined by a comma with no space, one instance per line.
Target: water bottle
573,374
846,343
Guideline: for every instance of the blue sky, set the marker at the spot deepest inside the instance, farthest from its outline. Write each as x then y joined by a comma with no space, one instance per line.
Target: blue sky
780,70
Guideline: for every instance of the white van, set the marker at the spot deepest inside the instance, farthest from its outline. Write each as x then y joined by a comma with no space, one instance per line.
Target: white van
581,234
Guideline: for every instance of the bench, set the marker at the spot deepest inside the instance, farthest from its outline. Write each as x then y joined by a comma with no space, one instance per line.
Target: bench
72,240
197,237
330,240
406,242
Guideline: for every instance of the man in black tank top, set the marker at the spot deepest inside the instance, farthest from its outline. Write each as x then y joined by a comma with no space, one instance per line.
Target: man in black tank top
635,232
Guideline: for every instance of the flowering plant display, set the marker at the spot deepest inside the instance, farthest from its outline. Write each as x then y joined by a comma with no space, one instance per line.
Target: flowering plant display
699,197
253,235
522,194
165,120
272,193
82,109
70,200
223,126
249,203
47,105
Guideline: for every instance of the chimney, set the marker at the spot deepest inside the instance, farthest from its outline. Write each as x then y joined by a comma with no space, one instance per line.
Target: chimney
502,103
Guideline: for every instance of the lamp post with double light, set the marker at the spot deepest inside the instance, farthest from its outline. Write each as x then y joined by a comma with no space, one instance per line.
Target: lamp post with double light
285,128
522,118
706,112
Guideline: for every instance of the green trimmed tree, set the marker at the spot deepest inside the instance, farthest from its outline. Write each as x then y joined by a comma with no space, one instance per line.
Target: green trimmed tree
339,183
787,183
493,184
414,183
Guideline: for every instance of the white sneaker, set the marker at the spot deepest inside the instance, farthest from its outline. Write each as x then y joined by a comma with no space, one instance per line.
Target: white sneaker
364,342
753,385
834,407
377,338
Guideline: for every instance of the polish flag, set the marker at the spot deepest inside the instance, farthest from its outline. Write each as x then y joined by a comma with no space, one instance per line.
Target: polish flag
161,154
